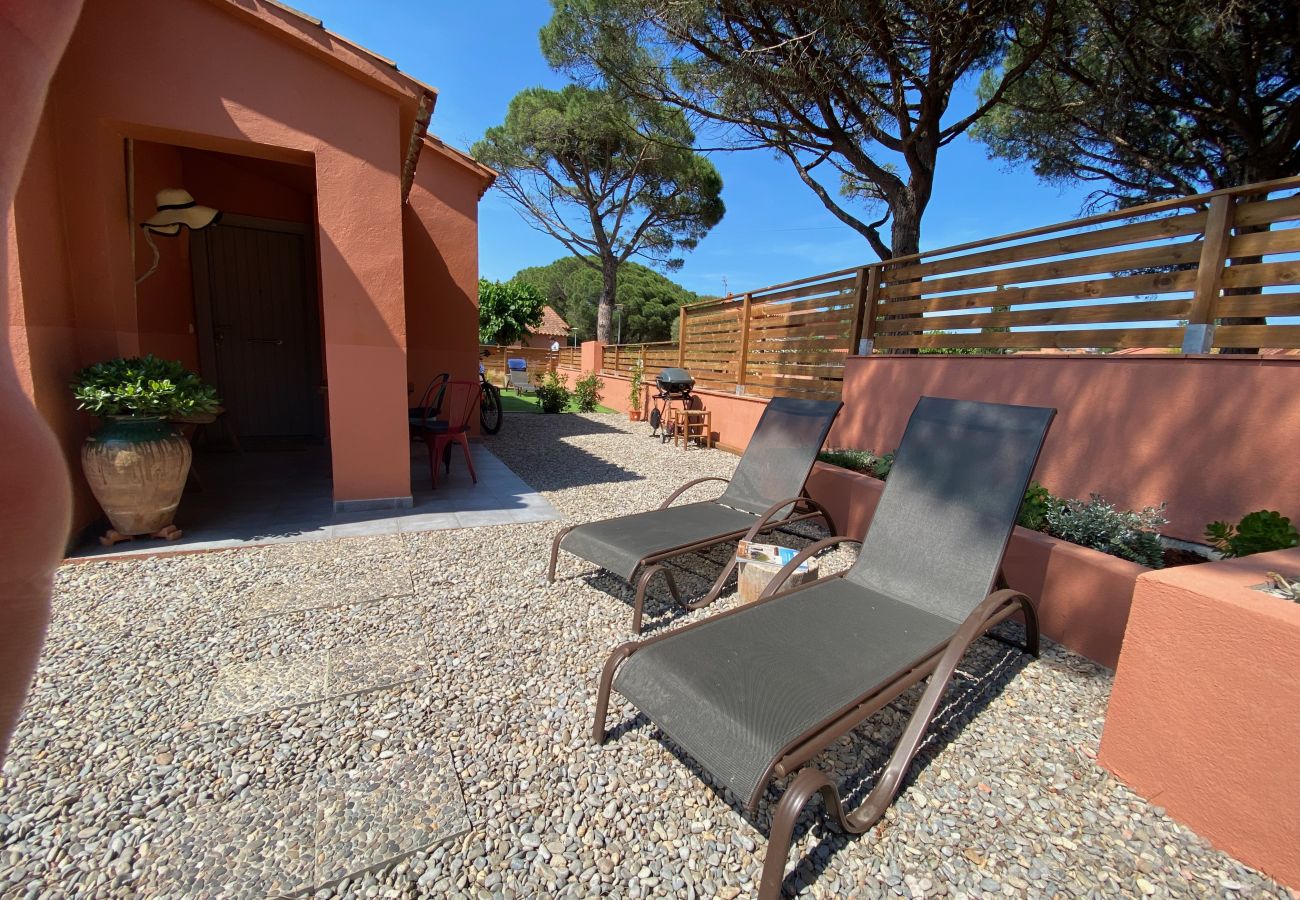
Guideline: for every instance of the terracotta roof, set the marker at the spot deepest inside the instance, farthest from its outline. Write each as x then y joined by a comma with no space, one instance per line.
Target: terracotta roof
463,159
551,325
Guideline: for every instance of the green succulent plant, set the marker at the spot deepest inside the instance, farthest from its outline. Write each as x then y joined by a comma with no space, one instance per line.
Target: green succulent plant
142,386
1257,532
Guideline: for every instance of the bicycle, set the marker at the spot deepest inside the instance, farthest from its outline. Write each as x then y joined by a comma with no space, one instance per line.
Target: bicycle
490,412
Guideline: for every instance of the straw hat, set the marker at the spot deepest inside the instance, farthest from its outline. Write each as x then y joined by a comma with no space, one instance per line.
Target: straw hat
176,208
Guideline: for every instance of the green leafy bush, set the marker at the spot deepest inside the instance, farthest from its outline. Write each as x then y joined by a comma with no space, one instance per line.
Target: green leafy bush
553,393
142,386
864,461
586,392
1097,524
1257,532
1033,511
634,388
883,465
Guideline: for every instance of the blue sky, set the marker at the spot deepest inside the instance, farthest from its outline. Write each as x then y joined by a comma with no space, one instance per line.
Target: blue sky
479,55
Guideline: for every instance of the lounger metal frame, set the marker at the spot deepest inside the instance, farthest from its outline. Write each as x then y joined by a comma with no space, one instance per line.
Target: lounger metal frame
801,509
938,665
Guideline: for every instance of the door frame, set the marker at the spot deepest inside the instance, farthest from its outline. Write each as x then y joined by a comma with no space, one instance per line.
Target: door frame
201,276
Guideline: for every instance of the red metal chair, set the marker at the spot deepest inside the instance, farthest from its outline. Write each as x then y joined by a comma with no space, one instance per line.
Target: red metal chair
460,401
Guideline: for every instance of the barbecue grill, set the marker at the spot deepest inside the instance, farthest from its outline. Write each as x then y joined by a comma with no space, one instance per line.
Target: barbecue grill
674,387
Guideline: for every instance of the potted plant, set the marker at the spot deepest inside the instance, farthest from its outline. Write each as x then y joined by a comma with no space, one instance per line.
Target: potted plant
137,462
634,394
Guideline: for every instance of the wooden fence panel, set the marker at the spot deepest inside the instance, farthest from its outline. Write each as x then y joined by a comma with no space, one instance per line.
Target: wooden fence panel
1127,278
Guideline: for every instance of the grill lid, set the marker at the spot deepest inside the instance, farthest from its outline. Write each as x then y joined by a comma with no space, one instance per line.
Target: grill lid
675,381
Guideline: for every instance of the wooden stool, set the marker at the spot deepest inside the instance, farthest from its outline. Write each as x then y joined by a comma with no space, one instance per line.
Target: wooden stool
693,424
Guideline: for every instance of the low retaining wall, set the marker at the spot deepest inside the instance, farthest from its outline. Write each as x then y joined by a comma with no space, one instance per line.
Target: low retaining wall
1205,712
1213,436
1083,595
734,417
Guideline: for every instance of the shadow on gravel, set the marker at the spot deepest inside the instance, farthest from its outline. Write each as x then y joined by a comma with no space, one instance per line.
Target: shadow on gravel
566,466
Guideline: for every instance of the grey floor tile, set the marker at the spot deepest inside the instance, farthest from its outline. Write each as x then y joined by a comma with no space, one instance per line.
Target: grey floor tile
243,689
474,518
385,810
429,522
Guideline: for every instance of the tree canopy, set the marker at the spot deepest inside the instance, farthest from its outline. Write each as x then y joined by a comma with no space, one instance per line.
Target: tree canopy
649,301
608,178
1149,99
506,310
853,93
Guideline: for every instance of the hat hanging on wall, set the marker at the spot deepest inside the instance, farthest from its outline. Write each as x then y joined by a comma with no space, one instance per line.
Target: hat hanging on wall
176,208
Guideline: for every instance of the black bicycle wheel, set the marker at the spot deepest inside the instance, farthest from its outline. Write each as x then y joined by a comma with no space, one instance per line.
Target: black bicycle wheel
490,414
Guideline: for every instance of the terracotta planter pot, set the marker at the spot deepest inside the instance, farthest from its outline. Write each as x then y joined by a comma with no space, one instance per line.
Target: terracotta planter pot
634,415
136,467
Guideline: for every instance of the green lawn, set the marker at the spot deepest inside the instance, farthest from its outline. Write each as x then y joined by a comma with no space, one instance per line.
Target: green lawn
512,403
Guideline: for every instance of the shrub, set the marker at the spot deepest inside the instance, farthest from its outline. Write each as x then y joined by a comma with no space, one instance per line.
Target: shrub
883,465
634,388
864,461
553,393
1033,510
1097,524
142,386
586,392
1257,532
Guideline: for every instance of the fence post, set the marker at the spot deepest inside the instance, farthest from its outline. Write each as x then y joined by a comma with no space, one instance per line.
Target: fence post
616,355
867,291
681,337
1198,336
746,304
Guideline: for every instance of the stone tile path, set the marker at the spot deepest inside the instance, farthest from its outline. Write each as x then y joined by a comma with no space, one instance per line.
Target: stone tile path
261,838
284,497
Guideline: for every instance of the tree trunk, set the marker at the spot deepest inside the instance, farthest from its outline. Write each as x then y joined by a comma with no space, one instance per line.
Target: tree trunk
904,240
605,305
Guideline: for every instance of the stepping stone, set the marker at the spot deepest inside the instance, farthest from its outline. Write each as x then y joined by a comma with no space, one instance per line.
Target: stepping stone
384,810
247,688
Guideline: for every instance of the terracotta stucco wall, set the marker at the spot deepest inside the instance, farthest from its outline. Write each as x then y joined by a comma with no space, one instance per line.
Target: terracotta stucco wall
186,72
1205,710
1212,436
440,234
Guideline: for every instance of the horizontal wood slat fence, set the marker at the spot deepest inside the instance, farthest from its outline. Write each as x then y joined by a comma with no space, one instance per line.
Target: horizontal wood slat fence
1180,274
539,359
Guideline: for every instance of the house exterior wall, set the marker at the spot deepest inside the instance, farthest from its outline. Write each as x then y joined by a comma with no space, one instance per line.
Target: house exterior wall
440,232
196,75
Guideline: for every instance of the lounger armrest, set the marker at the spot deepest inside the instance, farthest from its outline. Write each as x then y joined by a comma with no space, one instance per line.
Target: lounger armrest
690,484
780,578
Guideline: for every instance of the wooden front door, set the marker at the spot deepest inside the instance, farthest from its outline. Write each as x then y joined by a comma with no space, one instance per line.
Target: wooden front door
258,324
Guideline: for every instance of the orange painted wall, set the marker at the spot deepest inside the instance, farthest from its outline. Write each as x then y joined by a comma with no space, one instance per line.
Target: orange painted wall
1212,436
243,91
1205,710
440,232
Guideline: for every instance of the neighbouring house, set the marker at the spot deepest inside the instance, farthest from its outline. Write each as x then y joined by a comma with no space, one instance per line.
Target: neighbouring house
344,267
552,329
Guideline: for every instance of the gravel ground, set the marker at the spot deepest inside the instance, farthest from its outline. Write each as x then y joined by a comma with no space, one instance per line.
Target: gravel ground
117,786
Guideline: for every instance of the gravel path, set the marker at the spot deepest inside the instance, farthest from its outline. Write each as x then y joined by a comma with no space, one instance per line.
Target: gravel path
442,696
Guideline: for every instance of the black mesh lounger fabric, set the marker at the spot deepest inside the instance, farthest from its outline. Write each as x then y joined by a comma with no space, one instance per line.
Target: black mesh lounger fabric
618,545
775,466
781,453
736,690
